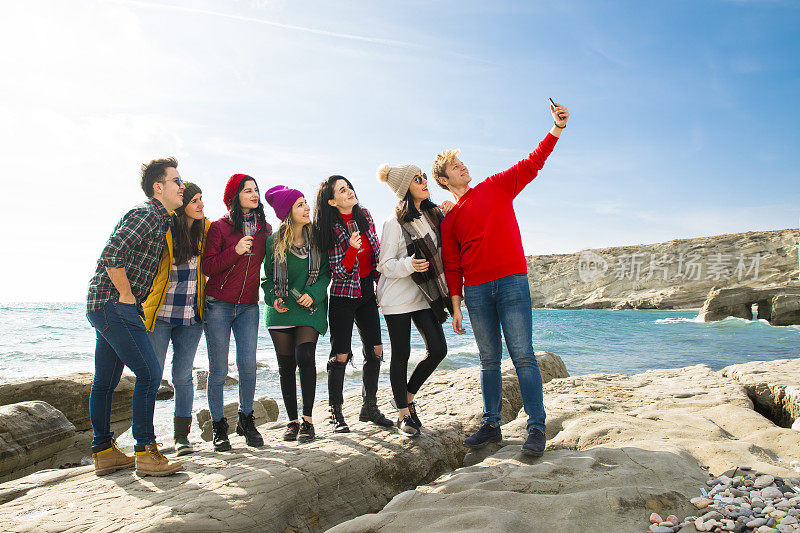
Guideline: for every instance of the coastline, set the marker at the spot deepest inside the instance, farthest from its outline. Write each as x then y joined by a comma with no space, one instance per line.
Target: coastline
619,447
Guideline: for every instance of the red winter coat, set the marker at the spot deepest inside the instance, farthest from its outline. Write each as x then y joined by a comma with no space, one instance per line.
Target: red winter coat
233,278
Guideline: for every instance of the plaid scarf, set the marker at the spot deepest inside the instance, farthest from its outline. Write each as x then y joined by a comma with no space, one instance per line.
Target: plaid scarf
251,219
280,269
432,282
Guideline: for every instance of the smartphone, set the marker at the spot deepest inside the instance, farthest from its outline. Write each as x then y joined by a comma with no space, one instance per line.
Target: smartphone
555,105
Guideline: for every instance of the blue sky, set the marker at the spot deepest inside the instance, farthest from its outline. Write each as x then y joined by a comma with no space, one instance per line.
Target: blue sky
684,114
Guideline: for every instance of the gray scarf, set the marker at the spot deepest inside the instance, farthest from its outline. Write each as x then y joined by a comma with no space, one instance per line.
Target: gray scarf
280,269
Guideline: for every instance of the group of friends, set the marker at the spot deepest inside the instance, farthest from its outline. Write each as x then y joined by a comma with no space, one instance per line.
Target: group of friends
168,274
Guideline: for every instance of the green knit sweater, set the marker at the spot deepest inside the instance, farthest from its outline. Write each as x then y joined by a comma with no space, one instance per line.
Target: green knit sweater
298,275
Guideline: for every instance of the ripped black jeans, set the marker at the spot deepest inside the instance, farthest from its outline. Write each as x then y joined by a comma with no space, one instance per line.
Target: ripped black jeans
342,314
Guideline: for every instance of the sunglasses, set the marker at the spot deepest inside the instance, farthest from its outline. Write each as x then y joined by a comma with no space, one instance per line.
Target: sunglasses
421,179
177,181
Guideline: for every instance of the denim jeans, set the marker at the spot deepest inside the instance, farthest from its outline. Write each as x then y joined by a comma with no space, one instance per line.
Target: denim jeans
220,318
184,346
506,303
122,341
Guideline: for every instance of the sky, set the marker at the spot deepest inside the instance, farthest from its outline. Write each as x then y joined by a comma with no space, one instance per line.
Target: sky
683,113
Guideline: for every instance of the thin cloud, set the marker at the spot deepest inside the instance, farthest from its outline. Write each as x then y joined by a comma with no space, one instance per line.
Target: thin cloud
373,40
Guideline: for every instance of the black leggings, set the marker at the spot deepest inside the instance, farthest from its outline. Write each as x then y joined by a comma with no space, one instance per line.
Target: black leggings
295,348
342,314
400,336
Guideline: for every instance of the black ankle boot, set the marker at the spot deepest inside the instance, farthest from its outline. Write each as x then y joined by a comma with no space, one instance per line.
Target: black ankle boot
337,419
220,429
246,426
371,413
306,432
291,431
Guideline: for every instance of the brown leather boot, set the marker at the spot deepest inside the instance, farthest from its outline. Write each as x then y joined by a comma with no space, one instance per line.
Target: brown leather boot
110,460
151,462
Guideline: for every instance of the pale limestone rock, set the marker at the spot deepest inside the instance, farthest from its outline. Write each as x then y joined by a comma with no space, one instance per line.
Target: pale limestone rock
31,433
773,386
608,281
738,301
70,395
654,432
731,301
785,310
270,406
282,486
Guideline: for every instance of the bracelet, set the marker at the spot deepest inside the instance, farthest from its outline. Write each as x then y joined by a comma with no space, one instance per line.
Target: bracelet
559,127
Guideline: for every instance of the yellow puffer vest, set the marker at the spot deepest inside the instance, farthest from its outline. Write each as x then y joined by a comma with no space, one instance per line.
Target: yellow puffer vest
159,287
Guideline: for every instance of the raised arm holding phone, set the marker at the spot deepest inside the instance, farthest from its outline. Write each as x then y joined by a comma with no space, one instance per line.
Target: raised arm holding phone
485,263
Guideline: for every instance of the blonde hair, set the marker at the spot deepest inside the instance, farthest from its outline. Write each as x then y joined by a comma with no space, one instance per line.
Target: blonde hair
285,237
440,166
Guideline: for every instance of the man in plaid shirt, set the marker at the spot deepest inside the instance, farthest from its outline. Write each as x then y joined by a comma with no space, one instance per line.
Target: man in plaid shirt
121,283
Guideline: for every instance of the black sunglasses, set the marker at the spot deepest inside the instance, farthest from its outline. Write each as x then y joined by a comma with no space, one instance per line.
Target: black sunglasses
421,179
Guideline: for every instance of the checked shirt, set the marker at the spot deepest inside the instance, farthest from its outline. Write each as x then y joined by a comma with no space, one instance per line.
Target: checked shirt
136,245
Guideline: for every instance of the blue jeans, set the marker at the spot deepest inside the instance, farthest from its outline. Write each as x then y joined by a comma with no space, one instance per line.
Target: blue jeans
184,346
122,341
220,318
506,303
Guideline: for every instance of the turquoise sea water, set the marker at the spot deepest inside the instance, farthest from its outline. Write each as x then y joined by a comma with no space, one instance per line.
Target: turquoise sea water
47,339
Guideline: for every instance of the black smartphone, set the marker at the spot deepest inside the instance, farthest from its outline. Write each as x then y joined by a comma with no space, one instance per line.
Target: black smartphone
555,105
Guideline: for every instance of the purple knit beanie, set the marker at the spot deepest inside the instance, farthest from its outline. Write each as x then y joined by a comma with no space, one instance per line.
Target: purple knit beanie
282,199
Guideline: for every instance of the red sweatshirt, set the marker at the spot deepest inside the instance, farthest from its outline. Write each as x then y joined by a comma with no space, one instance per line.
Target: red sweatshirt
364,267
487,210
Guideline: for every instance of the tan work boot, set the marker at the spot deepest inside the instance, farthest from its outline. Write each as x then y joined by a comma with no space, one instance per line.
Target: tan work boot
110,460
151,462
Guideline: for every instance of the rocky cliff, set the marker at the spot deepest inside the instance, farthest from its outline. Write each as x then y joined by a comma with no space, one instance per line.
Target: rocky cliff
672,275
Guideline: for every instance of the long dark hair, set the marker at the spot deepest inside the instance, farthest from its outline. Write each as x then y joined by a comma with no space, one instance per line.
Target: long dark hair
187,237
236,214
406,211
326,215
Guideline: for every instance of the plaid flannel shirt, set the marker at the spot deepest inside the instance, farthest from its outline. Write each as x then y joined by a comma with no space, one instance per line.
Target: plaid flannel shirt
347,284
178,307
136,245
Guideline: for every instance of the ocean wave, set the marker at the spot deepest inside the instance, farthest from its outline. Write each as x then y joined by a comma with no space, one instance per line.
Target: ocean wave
736,322
678,320
731,321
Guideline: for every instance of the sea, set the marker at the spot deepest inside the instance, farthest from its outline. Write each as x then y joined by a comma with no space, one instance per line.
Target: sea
48,339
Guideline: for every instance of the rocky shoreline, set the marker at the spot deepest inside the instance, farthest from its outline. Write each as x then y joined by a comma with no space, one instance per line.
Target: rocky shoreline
619,449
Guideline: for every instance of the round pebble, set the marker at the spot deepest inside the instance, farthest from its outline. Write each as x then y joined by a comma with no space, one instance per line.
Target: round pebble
771,493
763,481
742,500
701,503
655,528
757,522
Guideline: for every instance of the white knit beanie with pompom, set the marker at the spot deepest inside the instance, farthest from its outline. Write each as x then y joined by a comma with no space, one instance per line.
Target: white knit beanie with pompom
398,178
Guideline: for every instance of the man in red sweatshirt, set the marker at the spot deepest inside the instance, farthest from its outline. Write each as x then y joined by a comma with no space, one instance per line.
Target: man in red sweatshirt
482,253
